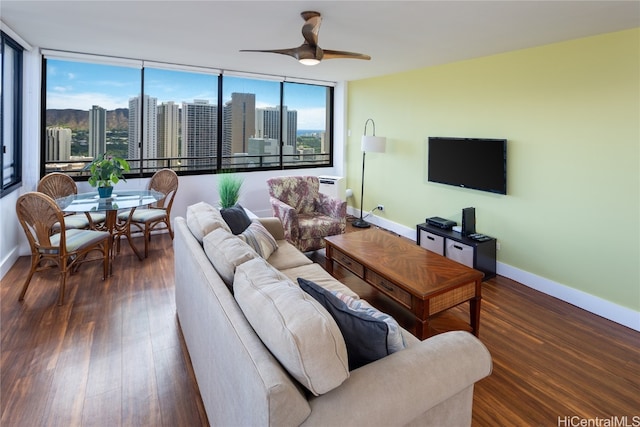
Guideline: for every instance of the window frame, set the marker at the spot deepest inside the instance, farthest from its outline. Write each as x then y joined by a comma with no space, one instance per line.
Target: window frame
16,104
219,163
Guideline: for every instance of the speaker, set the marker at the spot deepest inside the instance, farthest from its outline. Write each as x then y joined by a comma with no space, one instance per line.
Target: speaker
468,221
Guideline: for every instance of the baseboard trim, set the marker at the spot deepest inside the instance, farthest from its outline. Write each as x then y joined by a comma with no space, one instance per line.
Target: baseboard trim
593,304
8,262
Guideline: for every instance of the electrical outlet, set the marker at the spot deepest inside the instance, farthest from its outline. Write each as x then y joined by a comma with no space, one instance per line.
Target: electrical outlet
380,208
498,246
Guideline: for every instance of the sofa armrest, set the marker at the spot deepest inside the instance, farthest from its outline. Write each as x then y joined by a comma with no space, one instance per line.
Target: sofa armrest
399,388
273,226
288,216
331,206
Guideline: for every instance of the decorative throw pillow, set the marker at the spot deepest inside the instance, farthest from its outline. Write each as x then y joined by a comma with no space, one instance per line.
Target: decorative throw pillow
236,218
202,218
364,335
259,239
395,340
292,325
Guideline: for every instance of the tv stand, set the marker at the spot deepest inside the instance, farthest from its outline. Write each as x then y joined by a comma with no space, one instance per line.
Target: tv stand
455,246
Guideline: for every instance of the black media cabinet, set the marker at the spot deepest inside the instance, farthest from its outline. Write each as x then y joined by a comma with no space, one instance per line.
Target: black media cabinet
453,245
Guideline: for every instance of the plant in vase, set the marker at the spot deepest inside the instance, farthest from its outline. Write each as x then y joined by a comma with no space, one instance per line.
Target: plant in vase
106,170
229,186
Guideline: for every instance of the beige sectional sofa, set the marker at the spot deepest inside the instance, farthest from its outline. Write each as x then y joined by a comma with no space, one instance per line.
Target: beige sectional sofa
265,353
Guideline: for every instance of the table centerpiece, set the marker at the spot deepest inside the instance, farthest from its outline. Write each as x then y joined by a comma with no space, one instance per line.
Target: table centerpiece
107,170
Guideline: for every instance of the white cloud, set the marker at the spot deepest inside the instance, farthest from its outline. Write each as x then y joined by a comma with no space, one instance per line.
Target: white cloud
62,88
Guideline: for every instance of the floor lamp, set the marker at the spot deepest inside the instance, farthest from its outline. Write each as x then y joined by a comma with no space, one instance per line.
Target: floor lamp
373,144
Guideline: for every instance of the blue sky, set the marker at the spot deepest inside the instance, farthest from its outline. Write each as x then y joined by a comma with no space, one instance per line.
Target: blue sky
80,85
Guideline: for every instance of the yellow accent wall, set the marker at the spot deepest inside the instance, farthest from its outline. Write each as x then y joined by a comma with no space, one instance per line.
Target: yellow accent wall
571,114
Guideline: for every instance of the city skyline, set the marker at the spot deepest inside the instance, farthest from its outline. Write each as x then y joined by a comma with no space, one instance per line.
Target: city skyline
80,85
189,131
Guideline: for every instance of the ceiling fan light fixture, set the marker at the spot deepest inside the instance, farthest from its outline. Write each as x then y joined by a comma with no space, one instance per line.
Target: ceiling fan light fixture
309,61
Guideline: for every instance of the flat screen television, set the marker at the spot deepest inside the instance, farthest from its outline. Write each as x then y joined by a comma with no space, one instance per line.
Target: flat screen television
475,163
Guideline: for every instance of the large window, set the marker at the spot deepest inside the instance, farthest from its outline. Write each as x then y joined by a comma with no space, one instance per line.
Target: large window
189,119
306,107
251,123
10,114
184,107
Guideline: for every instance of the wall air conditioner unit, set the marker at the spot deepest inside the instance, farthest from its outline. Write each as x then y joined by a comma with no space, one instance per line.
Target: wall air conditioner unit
334,186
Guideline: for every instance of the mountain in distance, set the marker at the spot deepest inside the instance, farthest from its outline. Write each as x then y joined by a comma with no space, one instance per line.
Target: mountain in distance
117,119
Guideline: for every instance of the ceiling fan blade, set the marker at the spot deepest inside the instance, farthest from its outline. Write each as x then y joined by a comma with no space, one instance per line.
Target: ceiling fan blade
309,53
290,52
311,27
337,54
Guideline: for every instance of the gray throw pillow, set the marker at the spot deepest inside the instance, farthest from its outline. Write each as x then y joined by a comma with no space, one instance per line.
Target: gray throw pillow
236,218
364,335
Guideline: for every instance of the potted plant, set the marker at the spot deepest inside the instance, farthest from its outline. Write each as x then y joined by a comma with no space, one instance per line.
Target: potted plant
229,186
105,171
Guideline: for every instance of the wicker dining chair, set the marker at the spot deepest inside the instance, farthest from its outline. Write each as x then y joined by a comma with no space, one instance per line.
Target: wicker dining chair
62,247
158,215
57,185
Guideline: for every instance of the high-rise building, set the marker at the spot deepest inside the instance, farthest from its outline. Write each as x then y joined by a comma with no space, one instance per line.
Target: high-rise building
323,143
168,129
268,125
291,128
199,134
58,144
143,131
239,123
97,131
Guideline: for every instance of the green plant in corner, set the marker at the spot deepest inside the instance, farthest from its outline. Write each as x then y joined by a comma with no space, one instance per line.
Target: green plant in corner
106,170
229,186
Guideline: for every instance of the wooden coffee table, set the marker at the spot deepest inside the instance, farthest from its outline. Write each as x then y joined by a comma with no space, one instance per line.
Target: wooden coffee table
421,281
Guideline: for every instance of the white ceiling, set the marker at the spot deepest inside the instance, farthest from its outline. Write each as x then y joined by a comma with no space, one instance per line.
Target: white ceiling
399,35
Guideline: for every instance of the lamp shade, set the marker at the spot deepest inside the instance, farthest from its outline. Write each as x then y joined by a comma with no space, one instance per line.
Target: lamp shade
374,144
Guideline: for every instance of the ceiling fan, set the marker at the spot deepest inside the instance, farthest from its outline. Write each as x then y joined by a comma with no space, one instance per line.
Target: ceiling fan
309,53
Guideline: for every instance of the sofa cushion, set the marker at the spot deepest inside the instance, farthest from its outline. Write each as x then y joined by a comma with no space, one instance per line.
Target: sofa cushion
236,218
202,218
287,256
259,239
318,275
225,252
365,336
297,330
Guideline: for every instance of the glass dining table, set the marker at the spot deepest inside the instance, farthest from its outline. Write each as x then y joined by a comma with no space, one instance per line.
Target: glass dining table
119,201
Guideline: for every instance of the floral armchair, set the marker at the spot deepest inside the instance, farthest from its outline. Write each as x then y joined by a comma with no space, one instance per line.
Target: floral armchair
306,214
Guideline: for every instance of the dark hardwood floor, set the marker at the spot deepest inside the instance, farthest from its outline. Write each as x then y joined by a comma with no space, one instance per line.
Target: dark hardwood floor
113,355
